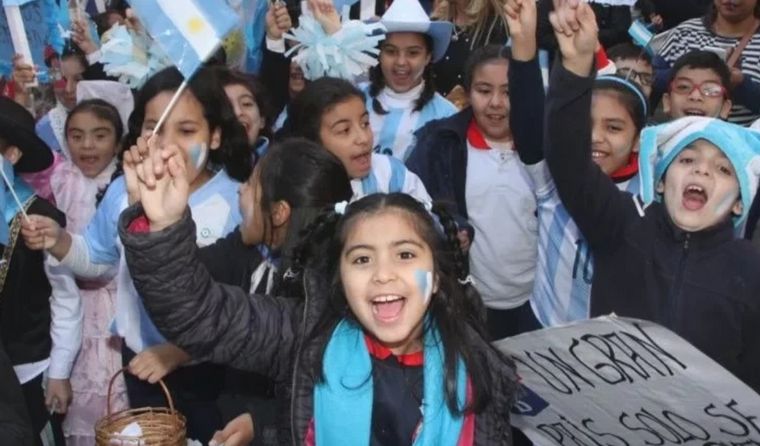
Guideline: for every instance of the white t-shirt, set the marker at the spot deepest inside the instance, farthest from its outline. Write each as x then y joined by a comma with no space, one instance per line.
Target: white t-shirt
501,208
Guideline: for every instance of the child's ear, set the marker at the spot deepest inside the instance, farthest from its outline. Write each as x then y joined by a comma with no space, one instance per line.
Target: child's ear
660,187
216,139
13,154
725,109
737,208
280,213
436,282
637,144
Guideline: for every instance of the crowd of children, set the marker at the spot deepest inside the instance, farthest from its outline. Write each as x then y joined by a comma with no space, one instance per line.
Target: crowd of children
328,259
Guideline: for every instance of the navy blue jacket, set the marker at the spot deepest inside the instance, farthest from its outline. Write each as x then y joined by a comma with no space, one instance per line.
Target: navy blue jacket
702,285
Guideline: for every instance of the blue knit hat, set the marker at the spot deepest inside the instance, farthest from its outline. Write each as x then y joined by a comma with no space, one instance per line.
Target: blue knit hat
661,144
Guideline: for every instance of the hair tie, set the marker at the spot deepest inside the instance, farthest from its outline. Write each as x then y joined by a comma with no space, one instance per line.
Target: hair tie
340,207
467,280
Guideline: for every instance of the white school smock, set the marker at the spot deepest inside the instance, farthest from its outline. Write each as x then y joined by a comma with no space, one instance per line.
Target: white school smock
394,131
565,269
216,213
501,208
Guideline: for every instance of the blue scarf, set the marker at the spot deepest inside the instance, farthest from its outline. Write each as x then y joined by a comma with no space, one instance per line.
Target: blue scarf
343,403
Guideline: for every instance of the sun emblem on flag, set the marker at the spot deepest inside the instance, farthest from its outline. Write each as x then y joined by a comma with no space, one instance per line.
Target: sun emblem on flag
195,25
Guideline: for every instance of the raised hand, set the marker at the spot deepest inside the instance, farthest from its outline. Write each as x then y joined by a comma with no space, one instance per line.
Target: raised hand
159,178
80,34
325,13
521,19
575,26
40,232
278,20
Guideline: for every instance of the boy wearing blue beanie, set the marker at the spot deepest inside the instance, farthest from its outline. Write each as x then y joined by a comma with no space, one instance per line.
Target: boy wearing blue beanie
669,256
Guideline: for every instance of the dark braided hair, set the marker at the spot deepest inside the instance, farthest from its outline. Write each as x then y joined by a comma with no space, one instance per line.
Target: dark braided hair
107,112
377,82
455,308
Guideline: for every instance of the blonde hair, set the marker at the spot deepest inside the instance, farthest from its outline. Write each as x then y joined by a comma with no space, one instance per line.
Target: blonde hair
482,16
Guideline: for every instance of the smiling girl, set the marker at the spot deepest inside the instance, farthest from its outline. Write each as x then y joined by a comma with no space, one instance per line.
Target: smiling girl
93,130
332,113
469,159
401,96
203,125
565,267
385,332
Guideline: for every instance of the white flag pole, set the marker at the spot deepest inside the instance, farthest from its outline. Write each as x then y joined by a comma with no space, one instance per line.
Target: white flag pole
13,191
18,36
171,105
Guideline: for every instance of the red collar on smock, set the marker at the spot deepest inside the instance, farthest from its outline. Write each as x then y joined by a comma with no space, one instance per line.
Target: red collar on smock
382,352
475,137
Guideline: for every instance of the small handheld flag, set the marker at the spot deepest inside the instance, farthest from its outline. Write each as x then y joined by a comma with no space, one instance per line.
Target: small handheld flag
646,39
189,31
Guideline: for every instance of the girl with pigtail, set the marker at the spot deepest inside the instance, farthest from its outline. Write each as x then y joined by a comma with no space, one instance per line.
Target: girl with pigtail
385,347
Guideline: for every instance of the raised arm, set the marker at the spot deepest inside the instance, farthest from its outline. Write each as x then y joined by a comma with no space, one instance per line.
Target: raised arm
208,320
526,92
592,199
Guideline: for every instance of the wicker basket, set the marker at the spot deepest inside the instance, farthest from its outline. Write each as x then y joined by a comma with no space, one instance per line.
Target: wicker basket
160,426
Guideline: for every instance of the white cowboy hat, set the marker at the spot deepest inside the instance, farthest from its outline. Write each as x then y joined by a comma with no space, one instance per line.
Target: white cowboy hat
408,16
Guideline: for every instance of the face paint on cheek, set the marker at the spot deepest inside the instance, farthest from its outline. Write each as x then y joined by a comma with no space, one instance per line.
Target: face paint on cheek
425,284
198,154
724,205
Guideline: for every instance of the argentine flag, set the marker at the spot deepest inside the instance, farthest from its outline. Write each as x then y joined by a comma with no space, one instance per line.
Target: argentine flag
189,31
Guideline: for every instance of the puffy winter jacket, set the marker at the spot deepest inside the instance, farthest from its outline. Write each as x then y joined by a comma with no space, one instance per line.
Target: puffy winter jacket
270,335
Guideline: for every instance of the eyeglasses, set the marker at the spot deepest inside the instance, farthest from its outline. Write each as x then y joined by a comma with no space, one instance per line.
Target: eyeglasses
645,79
708,89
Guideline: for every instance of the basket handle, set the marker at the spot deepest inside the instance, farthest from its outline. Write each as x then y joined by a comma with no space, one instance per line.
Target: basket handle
124,370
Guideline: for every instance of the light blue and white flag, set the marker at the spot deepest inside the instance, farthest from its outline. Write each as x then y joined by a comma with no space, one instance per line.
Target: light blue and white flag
189,31
15,2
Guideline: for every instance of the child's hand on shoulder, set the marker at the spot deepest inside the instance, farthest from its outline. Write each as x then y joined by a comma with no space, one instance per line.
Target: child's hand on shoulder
576,30
521,19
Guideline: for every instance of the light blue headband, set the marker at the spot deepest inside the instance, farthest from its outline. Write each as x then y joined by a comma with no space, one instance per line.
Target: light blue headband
631,86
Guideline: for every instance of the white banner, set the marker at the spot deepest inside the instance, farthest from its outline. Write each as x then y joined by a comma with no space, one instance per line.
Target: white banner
617,382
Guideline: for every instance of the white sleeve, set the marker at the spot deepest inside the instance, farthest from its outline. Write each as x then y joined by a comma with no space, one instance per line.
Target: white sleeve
276,45
66,325
541,180
78,260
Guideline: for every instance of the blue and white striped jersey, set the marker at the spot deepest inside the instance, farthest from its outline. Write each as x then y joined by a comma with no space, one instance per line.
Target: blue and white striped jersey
388,175
562,287
394,131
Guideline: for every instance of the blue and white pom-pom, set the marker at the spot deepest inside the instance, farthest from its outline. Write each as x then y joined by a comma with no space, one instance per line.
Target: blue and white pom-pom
131,57
347,54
